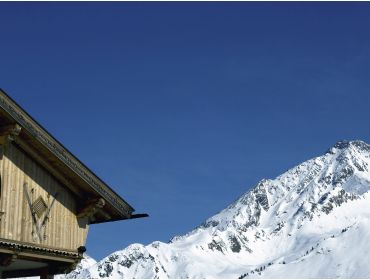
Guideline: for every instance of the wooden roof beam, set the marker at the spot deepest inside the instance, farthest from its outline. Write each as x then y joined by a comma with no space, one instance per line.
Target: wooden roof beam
91,208
12,129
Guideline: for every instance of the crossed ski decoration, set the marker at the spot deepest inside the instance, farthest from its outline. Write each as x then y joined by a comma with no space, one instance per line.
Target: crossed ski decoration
38,222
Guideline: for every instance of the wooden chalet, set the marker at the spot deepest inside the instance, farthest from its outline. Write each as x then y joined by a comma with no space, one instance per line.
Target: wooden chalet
48,199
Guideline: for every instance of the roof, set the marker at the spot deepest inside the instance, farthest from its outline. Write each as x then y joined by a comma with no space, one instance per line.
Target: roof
25,247
58,157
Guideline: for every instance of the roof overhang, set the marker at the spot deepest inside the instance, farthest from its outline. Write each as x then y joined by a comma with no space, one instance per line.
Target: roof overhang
39,143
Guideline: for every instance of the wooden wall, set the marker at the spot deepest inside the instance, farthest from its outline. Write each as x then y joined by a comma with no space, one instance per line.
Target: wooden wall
62,230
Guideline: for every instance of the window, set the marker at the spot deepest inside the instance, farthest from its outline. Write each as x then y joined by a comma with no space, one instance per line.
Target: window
39,207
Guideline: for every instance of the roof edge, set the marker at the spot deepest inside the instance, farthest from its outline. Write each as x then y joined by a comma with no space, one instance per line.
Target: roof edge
63,154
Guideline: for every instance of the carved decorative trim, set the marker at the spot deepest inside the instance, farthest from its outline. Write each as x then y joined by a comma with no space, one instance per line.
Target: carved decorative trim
41,135
18,246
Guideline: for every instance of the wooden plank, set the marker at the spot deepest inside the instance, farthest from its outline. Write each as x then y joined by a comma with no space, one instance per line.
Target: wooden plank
62,229
23,145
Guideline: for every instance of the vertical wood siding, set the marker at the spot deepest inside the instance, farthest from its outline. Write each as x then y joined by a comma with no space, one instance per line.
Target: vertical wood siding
62,229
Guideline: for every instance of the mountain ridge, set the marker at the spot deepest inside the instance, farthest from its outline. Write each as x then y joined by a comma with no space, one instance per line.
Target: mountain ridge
278,225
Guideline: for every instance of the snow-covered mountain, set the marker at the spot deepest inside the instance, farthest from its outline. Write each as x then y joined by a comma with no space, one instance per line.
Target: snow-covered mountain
86,262
312,221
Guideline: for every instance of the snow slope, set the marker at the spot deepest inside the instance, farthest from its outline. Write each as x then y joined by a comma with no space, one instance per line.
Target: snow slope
312,221
86,262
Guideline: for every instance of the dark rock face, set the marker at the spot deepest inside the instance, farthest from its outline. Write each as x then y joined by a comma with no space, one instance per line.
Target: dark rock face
106,270
342,145
342,175
126,263
214,245
279,226
261,199
338,200
210,224
323,198
235,245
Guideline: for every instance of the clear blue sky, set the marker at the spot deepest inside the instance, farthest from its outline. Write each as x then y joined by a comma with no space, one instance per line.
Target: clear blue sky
182,107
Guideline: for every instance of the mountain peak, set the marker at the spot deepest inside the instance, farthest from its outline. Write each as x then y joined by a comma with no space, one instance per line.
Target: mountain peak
345,144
